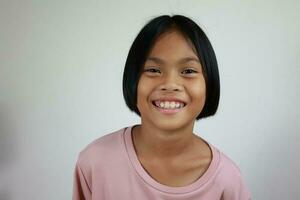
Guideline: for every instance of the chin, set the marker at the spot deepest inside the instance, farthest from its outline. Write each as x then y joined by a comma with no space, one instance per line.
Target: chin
171,125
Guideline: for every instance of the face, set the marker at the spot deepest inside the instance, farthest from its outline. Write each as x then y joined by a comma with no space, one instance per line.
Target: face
171,89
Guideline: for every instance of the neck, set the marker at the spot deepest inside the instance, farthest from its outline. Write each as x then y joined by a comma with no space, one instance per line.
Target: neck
162,144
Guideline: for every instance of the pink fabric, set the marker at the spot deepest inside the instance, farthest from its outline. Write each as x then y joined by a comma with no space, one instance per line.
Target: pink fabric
109,169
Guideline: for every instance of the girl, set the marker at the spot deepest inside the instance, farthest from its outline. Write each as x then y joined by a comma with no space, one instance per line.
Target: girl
170,80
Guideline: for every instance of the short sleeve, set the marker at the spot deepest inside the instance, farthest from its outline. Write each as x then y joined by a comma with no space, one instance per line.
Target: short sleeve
81,189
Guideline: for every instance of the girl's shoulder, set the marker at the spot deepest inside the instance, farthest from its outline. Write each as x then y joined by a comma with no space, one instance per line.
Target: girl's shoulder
107,145
229,164
224,162
229,173
231,178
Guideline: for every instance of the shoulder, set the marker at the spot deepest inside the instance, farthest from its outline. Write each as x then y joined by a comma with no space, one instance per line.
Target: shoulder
229,165
231,179
101,149
228,171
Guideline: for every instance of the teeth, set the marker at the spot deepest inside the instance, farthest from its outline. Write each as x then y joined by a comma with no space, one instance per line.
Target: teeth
172,105
161,104
169,104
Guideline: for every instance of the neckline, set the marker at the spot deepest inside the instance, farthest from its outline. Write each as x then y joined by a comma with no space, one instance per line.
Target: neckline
161,187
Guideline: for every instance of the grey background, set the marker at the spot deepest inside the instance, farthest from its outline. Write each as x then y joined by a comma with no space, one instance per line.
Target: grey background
61,65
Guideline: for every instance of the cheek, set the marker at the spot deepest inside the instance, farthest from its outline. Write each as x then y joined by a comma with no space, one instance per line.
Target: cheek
142,91
198,91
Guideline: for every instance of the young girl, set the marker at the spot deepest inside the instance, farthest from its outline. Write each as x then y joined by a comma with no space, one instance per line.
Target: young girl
170,80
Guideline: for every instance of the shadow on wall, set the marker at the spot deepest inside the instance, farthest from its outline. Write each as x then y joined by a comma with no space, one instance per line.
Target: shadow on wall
7,149
4,195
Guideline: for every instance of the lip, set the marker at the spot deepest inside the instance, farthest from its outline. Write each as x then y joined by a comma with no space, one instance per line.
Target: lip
170,100
168,111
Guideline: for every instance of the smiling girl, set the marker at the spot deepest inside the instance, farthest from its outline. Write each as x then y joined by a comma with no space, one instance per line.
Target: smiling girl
170,80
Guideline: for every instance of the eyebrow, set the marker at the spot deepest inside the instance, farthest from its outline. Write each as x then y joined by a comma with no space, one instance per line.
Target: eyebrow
183,60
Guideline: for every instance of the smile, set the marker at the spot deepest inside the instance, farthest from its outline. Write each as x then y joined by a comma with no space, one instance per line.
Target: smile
168,107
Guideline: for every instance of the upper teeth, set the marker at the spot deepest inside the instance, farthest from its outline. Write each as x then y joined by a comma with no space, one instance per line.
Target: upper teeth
169,104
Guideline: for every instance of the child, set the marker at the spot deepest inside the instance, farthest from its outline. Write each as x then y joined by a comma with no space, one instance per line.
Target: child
170,80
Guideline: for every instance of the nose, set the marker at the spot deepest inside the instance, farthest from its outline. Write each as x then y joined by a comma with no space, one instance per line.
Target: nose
171,82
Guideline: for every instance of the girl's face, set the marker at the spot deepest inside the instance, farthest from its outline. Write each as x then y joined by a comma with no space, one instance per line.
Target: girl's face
171,89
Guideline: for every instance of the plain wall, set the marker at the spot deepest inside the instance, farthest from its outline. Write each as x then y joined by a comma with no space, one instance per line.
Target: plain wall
61,65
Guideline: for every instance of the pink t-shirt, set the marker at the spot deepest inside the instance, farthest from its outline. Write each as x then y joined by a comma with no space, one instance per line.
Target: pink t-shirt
109,169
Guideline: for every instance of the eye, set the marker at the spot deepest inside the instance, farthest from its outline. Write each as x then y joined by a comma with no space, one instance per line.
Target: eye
189,71
152,70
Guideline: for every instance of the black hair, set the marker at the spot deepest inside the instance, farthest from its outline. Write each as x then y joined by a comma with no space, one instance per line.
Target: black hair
145,40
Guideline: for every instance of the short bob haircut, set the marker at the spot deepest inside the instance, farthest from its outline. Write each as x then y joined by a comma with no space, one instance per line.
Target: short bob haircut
143,44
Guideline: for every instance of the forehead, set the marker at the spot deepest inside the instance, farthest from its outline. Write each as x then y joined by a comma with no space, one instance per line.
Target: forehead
172,44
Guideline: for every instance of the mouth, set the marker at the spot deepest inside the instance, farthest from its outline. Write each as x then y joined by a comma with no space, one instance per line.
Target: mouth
169,105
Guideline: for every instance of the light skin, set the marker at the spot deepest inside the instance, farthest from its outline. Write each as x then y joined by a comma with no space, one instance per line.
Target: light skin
165,143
